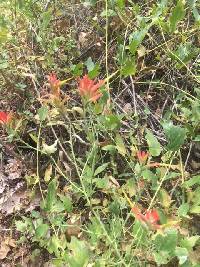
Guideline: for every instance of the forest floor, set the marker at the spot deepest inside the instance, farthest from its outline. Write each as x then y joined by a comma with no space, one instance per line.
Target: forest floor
99,133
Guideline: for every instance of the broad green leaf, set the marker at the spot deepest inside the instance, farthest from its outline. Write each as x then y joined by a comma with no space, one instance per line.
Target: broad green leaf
120,145
101,168
77,70
154,145
195,209
56,244
51,196
148,175
183,210
22,226
182,254
189,242
95,72
67,203
42,113
93,69
79,253
165,198
175,136
41,230
111,122
102,183
129,68
136,39
95,230
121,3
197,138
196,15
114,207
130,187
167,241
89,64
178,14
110,148
195,180
161,257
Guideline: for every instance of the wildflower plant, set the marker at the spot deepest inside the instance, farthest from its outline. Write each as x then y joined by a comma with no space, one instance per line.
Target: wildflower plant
106,167
89,89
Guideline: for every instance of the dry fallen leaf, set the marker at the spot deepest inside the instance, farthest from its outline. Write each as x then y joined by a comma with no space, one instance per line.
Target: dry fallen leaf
48,173
3,183
74,227
13,169
12,203
113,182
82,38
4,249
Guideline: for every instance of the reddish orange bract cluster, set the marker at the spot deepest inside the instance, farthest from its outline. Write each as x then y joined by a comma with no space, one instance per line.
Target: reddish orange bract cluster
142,156
5,117
54,84
150,218
90,89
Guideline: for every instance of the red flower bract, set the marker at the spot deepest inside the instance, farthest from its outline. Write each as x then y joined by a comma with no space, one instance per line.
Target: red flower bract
4,117
142,156
54,84
151,217
90,89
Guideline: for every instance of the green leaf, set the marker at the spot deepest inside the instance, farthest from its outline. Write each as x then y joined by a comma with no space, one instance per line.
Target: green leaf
21,226
49,149
165,198
93,69
178,14
129,68
56,244
189,242
195,180
183,210
67,203
89,64
167,241
197,138
154,145
80,254
42,113
195,209
161,257
77,69
102,183
136,39
148,175
182,254
95,72
175,136
196,15
41,230
46,18
121,4
111,122
95,230
101,168
51,196
120,145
